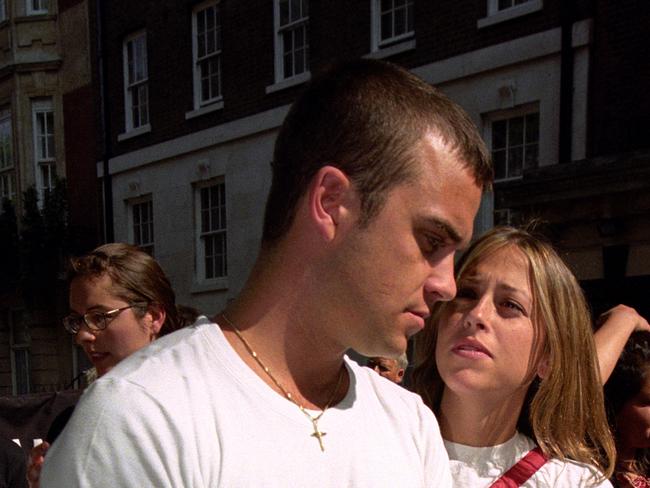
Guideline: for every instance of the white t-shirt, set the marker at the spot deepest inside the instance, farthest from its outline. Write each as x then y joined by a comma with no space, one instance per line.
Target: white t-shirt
188,412
476,467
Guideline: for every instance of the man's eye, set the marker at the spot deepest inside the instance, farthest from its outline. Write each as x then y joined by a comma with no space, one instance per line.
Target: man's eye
432,244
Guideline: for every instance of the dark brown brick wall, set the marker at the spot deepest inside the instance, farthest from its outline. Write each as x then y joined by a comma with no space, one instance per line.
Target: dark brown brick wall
338,30
619,105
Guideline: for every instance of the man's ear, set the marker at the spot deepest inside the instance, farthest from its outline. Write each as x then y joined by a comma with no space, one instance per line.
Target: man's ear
157,316
329,197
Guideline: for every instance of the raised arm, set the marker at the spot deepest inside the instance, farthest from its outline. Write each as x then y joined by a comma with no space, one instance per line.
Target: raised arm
616,325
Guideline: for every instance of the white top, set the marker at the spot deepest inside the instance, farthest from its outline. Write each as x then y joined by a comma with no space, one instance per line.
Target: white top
478,467
188,412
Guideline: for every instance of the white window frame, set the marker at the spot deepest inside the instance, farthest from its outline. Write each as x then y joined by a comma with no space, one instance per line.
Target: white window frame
508,115
136,228
217,281
280,30
130,124
401,40
44,163
16,346
199,101
496,15
7,171
41,8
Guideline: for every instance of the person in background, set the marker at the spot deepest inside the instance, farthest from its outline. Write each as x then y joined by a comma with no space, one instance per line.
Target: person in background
389,368
510,368
628,399
376,180
120,301
12,465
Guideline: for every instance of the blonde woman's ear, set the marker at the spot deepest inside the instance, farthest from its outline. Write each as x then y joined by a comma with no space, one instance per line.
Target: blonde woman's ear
543,368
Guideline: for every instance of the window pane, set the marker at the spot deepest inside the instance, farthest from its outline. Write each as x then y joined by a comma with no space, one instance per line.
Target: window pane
386,5
531,160
295,10
400,21
386,26
21,362
299,37
504,4
516,128
515,161
284,12
532,127
499,160
499,134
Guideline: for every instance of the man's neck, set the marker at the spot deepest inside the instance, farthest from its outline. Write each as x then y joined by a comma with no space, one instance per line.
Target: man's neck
293,344
478,421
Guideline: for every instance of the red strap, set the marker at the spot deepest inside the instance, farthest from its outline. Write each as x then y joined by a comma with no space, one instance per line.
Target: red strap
523,470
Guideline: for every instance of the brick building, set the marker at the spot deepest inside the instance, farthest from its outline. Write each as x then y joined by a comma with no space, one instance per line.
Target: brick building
47,131
195,92
197,116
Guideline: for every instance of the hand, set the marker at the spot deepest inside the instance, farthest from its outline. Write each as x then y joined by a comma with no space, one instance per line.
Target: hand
624,316
35,464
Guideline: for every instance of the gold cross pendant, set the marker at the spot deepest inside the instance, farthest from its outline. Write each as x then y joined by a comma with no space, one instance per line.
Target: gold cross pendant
319,435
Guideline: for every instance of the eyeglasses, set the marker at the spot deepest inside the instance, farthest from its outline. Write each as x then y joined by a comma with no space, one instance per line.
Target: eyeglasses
95,320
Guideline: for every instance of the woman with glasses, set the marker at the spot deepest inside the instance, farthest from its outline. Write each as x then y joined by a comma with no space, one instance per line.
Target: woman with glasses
510,368
120,301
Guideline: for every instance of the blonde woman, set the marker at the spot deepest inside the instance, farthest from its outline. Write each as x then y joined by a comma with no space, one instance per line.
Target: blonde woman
509,367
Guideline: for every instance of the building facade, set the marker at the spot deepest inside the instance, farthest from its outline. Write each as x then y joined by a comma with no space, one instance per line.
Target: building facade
47,134
194,92
199,90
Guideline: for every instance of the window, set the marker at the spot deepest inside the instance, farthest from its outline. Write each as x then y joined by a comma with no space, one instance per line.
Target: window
6,158
3,10
206,26
44,150
503,10
136,87
36,7
291,45
19,344
495,6
515,144
212,253
142,218
392,21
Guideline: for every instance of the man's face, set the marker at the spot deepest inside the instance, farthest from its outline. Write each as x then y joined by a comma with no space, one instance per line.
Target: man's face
388,274
388,368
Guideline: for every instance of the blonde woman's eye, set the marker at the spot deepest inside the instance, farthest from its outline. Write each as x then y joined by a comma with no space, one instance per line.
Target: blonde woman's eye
515,306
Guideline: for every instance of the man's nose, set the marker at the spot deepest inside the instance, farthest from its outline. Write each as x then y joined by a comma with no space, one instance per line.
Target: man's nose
441,285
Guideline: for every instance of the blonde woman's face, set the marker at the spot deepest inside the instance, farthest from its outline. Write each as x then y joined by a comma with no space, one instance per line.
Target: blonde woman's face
486,337
124,334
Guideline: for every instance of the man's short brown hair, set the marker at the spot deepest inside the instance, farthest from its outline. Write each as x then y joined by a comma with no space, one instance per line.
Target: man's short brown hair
367,118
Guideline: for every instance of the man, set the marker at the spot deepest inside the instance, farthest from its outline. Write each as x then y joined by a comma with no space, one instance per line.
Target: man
377,178
389,368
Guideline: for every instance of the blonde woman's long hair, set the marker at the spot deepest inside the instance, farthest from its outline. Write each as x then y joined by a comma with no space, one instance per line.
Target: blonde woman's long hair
565,410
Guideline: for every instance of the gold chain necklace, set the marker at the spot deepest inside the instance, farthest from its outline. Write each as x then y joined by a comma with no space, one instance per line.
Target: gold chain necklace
318,434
